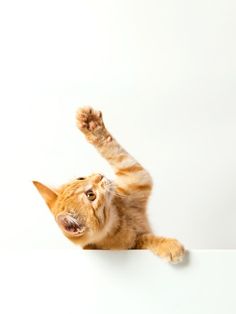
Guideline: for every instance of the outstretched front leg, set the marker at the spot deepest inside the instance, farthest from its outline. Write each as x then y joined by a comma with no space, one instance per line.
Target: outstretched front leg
169,249
131,177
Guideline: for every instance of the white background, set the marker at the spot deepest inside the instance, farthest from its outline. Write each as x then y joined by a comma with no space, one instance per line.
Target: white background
162,72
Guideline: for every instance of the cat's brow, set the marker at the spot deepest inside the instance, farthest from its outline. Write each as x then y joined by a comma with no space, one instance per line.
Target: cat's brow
79,190
84,188
88,187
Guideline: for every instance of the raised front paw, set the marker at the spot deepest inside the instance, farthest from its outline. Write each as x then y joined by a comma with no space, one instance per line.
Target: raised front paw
171,250
89,120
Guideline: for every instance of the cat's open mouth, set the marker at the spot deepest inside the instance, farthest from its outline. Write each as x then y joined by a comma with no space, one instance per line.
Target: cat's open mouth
70,224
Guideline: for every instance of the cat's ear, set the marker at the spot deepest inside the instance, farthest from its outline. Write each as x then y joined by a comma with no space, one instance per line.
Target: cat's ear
47,194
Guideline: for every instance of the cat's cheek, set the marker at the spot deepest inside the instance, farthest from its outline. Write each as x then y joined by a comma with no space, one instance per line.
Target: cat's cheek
101,214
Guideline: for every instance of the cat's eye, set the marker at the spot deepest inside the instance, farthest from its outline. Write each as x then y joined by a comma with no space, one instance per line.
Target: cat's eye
80,178
90,195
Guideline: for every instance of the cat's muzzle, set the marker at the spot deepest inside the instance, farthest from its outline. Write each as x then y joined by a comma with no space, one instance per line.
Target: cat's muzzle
70,224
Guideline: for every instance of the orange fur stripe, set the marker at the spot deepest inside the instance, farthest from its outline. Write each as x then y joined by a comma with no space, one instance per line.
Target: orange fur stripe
127,170
140,187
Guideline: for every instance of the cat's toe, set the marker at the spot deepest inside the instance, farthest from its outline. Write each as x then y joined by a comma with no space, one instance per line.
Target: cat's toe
82,120
177,256
87,110
171,250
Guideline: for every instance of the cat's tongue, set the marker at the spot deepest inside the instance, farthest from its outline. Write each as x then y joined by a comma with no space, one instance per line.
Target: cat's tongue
71,227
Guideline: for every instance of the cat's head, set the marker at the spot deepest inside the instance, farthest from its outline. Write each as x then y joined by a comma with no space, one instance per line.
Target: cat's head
81,207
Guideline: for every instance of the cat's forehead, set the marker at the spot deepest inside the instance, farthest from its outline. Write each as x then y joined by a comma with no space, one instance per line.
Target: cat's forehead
76,187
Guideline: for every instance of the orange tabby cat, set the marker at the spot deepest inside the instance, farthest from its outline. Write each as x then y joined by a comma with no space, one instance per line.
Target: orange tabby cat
99,214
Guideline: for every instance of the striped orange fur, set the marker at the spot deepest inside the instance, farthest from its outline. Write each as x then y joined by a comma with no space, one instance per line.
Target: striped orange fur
99,214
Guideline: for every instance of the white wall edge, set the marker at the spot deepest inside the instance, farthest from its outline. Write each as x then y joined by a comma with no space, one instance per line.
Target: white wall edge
76,281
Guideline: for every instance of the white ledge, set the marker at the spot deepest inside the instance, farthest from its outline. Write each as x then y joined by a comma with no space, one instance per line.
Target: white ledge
77,281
